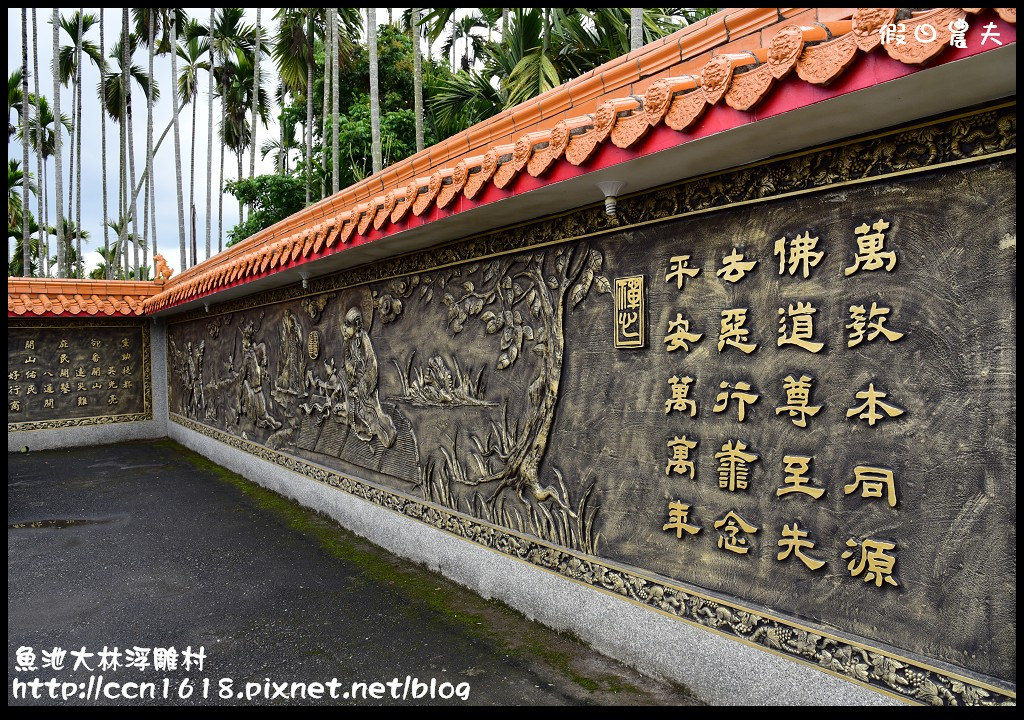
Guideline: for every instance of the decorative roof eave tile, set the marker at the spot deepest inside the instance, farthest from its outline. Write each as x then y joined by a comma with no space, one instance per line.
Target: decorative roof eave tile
49,296
818,52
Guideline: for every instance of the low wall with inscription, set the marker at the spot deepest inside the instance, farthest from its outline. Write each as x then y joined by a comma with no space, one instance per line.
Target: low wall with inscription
777,404
84,381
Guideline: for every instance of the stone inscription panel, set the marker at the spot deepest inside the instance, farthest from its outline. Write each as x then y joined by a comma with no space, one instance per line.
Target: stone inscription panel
74,371
805,405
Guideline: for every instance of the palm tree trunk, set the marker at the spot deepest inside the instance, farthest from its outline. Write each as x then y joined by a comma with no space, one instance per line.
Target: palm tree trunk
58,177
309,101
504,23
41,196
103,152
371,36
209,156
192,172
636,28
25,240
255,96
417,78
78,147
125,188
177,136
150,181
547,29
220,177
335,75
325,96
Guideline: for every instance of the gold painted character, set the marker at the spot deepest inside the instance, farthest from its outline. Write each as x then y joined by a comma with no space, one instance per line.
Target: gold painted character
873,481
871,254
629,311
13,375
874,323
730,528
80,387
64,372
30,344
112,400
678,520
15,406
803,327
31,374
680,463
735,267
874,558
126,384
48,403
801,254
63,359
125,343
679,334
741,394
14,390
796,468
31,360
733,333
31,390
679,269
82,401
798,397
95,357
111,384
126,357
734,466
63,344
65,388
680,402
94,342
794,541
48,389
872,401
111,370
96,371
79,372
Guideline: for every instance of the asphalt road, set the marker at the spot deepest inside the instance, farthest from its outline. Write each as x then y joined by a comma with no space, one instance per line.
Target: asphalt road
148,545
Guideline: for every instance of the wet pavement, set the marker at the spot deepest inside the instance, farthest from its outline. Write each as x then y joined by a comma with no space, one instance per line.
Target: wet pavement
148,545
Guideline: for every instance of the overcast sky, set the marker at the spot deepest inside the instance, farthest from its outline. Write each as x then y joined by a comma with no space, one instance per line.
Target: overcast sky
166,202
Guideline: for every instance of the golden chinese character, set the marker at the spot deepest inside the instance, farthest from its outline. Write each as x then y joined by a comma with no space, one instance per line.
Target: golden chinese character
734,466
794,543
730,526
875,324
801,254
30,344
678,519
64,372
126,356
30,360
734,267
31,390
126,370
872,400
81,387
873,481
111,370
803,327
98,385
741,393
629,312
679,269
680,401
798,395
13,375
796,468
870,249
31,374
14,389
95,357
96,371
82,400
679,334
65,388
111,384
15,406
48,388
874,559
124,342
63,344
48,403
63,360
80,372
733,333
126,384
112,400
680,462
94,343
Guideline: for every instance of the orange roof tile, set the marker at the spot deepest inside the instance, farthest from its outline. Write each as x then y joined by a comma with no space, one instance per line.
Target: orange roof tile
732,58
42,296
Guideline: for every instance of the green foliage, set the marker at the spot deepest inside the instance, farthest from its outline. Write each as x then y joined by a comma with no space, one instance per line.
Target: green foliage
270,198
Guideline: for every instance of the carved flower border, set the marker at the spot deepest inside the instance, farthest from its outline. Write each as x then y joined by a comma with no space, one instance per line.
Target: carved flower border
875,668
965,136
76,324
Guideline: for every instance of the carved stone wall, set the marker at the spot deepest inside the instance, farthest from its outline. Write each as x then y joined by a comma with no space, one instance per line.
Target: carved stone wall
776,402
74,372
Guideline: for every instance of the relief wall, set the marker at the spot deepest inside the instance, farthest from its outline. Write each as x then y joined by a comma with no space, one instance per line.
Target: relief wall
72,372
776,402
